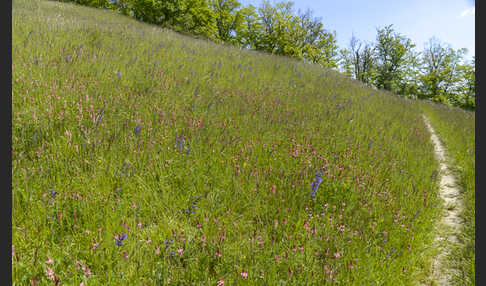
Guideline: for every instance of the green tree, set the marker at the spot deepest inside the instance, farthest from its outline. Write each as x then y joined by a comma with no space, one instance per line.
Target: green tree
465,88
317,44
441,72
393,54
228,19
193,16
359,60
250,31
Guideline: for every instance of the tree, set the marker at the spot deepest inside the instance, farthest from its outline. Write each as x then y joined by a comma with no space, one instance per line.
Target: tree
466,86
393,54
228,19
193,16
440,76
359,60
250,31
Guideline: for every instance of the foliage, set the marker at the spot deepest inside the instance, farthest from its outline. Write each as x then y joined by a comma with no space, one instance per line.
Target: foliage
393,54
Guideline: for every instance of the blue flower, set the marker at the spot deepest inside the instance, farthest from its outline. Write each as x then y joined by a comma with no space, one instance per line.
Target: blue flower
100,115
180,146
118,239
316,183
137,129
53,193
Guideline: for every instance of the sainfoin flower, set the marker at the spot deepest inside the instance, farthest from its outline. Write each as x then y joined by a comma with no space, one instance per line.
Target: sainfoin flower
50,273
244,274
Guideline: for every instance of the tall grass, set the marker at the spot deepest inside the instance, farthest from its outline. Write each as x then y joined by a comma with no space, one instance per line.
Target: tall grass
456,129
141,156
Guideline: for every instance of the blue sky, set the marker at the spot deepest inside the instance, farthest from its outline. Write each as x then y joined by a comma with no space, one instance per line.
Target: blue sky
451,21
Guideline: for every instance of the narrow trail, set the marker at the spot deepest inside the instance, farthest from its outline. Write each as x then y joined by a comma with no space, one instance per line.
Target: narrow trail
450,224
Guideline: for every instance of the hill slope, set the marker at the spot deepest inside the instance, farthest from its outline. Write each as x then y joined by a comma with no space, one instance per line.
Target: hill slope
141,156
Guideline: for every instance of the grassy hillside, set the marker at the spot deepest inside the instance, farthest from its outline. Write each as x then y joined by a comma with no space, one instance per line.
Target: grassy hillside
456,129
144,157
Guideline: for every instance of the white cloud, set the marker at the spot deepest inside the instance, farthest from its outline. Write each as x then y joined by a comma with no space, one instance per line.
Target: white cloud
467,12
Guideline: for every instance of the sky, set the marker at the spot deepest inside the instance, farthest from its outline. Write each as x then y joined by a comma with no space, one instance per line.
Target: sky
450,21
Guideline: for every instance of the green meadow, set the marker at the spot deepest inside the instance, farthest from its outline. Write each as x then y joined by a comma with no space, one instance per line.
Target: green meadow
141,156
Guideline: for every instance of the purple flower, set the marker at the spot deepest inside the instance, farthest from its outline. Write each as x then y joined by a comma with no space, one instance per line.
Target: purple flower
53,193
316,183
137,129
118,239
99,116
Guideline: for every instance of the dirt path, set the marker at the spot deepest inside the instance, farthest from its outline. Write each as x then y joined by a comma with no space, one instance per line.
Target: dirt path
450,224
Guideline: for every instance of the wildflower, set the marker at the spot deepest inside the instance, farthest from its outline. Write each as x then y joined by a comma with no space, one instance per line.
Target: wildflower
316,183
157,251
118,239
53,193
86,270
137,129
218,253
179,251
244,274
95,245
337,254
49,261
119,75
50,273
99,116
220,281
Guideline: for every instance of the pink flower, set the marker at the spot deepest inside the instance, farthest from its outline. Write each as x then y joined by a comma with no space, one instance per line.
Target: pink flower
157,251
244,274
337,254
218,253
220,282
50,273
49,261
179,250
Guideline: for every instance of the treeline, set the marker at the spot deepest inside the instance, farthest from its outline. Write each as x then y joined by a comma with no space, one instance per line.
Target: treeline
438,73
